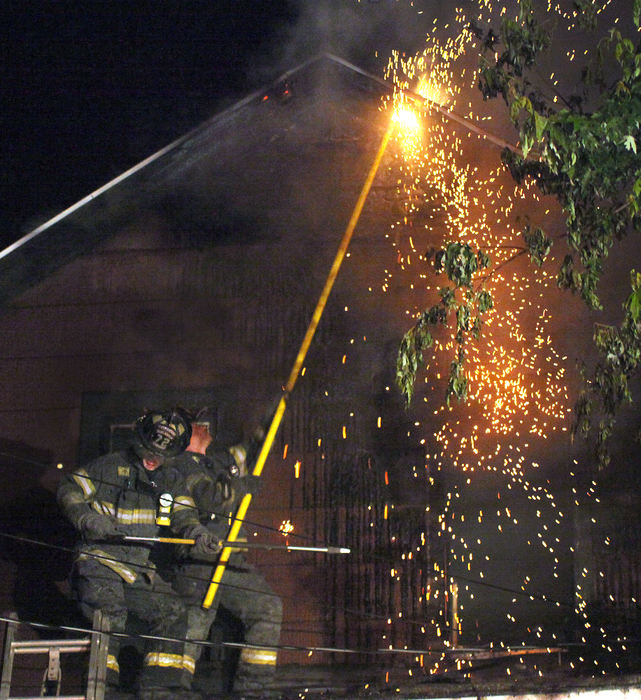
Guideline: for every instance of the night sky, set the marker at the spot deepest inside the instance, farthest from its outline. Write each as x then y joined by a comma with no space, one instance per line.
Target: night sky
90,88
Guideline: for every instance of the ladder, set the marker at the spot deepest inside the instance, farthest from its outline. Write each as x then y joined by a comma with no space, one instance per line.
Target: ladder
96,645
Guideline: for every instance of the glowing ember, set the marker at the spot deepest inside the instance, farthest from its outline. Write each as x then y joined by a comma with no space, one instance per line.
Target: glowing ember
518,395
286,528
407,119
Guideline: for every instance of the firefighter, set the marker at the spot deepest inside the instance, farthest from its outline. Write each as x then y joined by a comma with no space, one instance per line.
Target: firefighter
130,493
217,478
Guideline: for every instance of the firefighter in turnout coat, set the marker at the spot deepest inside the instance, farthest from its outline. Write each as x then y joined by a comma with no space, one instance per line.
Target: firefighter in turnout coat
133,493
217,478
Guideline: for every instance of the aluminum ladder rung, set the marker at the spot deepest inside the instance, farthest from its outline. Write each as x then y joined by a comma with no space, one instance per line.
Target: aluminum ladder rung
96,645
68,646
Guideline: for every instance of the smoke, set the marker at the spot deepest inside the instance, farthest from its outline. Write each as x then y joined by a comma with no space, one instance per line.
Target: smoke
364,32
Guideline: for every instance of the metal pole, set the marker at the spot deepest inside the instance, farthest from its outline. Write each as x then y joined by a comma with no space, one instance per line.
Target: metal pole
295,371
7,661
98,657
454,621
243,545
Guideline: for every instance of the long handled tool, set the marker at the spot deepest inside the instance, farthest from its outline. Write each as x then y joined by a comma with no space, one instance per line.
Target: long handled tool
295,371
242,545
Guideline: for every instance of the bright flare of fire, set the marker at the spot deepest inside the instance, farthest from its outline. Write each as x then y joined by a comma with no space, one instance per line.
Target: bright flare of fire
286,528
410,127
432,90
407,119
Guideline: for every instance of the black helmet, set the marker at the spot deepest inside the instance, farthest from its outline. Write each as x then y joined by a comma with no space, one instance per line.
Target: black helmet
164,434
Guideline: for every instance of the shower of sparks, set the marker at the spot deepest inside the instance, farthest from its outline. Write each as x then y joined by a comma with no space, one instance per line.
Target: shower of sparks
451,186
518,394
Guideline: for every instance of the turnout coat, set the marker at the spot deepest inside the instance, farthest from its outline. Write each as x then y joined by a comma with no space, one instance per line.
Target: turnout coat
117,485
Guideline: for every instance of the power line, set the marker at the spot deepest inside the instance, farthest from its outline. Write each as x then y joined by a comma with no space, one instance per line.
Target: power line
364,555
199,642
351,611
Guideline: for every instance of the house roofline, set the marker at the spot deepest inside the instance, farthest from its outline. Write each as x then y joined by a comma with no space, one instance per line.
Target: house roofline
415,96
150,159
229,110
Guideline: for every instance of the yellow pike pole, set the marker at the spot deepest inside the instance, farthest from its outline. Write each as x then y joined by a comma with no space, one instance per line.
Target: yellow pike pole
295,371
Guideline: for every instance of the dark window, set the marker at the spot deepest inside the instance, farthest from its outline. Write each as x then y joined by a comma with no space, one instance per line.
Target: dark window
108,417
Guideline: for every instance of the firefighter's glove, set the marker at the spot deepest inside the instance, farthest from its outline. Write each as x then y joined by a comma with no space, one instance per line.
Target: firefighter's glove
206,544
224,487
96,526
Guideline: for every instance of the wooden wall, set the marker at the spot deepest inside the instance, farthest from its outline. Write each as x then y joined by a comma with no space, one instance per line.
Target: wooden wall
207,292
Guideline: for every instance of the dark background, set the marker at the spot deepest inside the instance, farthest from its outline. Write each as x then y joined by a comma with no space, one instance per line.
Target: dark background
88,89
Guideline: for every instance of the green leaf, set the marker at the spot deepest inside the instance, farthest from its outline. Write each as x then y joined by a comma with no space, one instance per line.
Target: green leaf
630,143
410,357
448,299
460,263
457,382
463,317
484,301
539,245
439,260
540,122
633,302
521,103
483,259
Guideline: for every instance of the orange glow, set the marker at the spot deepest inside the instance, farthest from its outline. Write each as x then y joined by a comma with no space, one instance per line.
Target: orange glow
431,90
410,129
451,186
406,118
